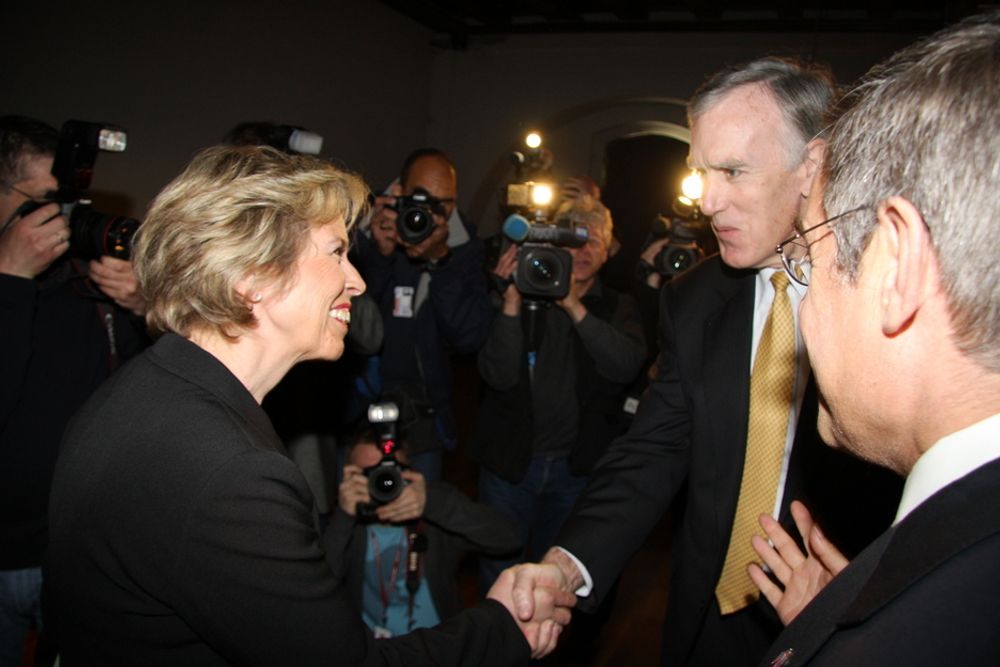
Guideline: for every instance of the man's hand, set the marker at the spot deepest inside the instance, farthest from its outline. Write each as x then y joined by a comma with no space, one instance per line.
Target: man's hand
572,304
383,222
30,244
504,269
410,503
649,255
802,576
543,608
353,489
116,278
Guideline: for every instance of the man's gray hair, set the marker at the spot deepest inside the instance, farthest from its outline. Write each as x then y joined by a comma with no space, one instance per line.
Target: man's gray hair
925,125
803,92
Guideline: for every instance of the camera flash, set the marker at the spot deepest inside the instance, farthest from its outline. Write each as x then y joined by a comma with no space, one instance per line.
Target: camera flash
112,139
381,413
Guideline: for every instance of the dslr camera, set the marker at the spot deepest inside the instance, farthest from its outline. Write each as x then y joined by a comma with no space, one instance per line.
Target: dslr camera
415,215
385,481
92,233
544,268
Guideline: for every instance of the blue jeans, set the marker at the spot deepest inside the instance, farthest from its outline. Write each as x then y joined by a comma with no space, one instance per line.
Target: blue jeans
20,609
538,505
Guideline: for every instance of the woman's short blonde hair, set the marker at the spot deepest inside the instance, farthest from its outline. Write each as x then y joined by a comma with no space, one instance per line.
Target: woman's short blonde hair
234,213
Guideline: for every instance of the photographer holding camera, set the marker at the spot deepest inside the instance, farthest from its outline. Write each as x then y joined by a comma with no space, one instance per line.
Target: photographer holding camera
424,266
400,557
67,324
555,377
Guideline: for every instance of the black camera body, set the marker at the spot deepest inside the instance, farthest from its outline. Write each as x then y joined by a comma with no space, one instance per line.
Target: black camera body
92,233
691,240
415,215
544,268
385,479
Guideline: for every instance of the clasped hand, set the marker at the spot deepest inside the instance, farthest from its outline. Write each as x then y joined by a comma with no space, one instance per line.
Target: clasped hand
537,596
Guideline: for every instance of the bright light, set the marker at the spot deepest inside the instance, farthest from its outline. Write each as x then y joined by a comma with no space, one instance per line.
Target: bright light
533,140
691,186
541,194
112,139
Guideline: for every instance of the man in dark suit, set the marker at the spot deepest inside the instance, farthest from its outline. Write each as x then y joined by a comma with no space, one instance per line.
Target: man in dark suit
901,322
712,424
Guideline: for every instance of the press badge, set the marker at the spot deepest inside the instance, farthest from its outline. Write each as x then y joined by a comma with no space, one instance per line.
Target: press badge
402,305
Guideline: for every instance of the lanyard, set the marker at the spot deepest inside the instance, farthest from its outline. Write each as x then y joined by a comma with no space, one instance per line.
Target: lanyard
385,592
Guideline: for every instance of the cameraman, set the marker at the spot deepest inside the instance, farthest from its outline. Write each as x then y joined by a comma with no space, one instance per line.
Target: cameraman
374,556
66,325
553,404
433,298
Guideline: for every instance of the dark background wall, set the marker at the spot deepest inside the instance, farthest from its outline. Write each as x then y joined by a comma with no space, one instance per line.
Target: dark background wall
367,79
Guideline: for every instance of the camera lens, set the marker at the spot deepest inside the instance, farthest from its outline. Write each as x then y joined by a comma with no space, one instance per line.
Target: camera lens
675,259
385,484
95,234
416,220
542,272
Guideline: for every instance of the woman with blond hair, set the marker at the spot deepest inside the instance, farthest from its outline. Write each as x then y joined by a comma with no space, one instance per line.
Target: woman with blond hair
182,534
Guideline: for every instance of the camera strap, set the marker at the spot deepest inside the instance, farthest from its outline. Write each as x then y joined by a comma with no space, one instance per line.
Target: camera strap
416,545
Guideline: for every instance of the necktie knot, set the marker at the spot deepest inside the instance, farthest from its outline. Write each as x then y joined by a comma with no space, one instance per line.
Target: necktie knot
780,282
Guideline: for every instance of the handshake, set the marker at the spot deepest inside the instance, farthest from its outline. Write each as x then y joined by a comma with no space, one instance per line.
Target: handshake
539,596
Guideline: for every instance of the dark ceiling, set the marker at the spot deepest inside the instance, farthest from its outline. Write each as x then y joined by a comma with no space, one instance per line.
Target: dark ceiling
454,22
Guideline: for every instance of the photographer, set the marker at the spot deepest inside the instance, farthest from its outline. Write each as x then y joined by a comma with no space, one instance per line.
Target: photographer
432,294
66,326
371,550
554,401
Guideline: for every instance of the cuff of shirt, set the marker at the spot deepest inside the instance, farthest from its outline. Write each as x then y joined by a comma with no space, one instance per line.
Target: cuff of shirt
588,582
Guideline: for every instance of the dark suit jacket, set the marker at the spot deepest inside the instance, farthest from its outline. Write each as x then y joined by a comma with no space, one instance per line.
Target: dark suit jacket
688,439
925,593
182,534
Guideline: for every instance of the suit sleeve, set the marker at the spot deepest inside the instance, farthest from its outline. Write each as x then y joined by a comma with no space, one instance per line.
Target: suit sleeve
636,480
253,582
479,528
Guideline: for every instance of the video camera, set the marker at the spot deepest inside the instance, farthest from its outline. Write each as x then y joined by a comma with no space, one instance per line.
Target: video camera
385,481
691,240
92,233
415,215
544,269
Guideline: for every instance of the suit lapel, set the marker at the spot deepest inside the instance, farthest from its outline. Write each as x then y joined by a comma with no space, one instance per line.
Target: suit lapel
933,533
814,626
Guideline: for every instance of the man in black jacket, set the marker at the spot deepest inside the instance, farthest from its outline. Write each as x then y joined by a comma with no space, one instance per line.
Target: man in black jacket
554,389
433,299
66,326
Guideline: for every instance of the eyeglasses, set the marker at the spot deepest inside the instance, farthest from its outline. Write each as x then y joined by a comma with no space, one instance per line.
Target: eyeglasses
793,265
21,192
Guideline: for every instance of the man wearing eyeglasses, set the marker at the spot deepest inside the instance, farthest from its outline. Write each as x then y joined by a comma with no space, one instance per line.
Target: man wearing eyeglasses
902,322
728,426
428,279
